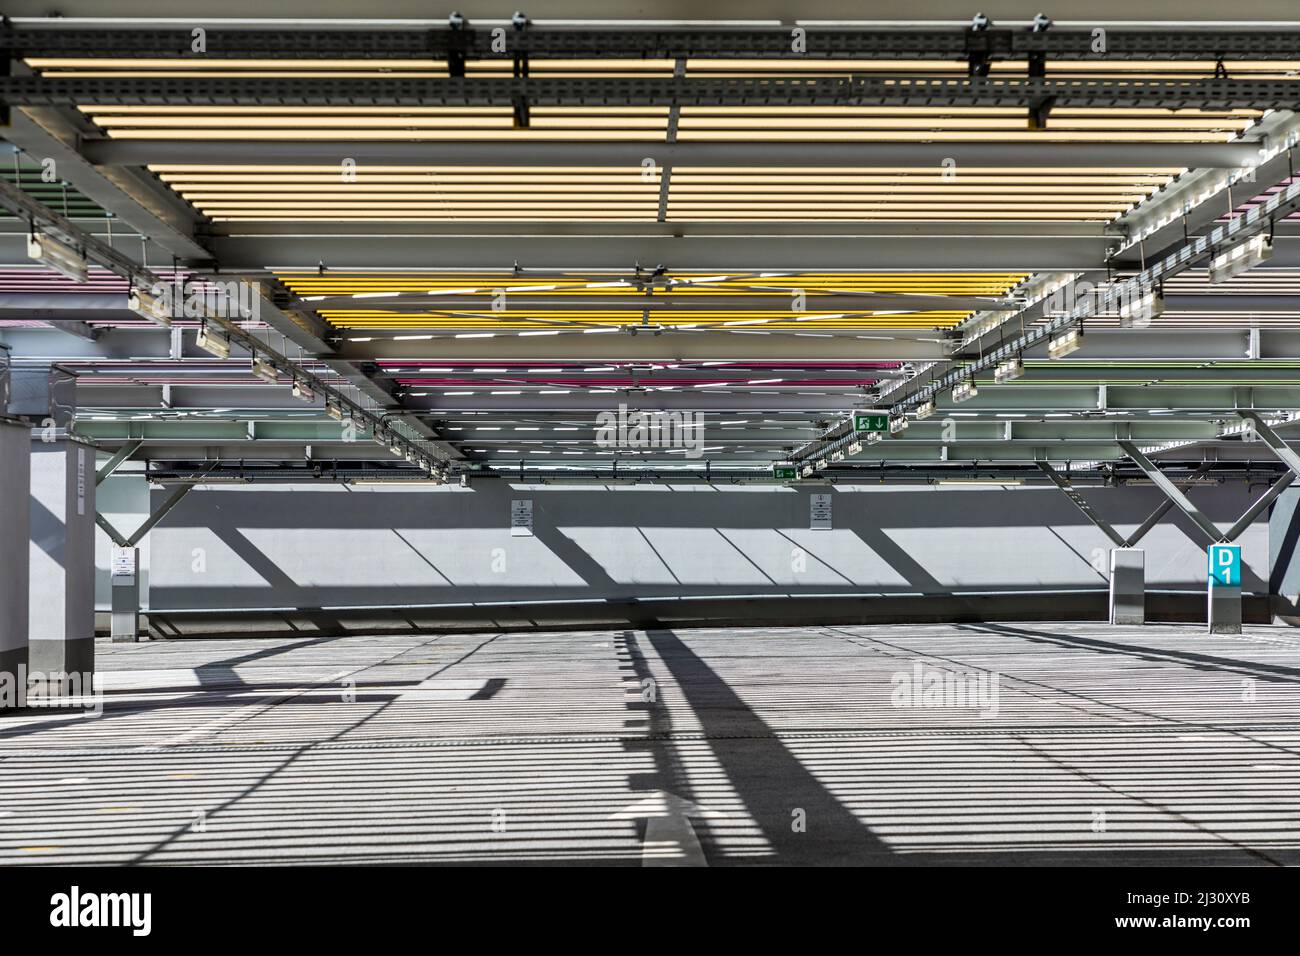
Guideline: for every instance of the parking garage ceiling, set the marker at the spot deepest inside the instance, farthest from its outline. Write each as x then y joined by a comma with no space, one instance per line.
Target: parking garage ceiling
475,239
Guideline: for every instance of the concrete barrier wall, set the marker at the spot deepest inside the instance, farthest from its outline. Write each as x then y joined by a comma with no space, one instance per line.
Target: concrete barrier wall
334,547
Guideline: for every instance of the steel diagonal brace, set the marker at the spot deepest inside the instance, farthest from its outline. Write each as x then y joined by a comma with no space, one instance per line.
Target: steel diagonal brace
1080,503
1173,492
172,500
1151,519
1211,530
1154,518
1276,443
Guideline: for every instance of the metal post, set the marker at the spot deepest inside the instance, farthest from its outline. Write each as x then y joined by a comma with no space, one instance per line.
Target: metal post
125,577
1127,586
1224,586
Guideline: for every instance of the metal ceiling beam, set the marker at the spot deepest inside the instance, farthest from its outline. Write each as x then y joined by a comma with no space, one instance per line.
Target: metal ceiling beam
1195,196
669,347
151,210
544,41
1237,230
105,255
525,245
158,214
1201,197
604,91
969,157
687,298
74,327
303,328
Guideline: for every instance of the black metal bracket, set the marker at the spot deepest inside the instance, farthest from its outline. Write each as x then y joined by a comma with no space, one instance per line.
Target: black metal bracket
1040,109
520,103
979,46
460,39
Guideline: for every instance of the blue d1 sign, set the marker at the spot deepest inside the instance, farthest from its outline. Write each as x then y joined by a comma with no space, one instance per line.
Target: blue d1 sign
1225,565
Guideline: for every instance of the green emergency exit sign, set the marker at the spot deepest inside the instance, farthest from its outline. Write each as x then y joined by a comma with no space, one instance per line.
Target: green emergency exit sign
870,422
785,472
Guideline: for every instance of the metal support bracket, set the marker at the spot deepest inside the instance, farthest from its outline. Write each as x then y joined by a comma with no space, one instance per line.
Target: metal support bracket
1211,530
1275,442
172,500
1173,492
122,454
1080,503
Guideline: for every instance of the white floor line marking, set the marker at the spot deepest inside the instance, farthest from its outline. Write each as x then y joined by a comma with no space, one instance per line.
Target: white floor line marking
670,837
244,713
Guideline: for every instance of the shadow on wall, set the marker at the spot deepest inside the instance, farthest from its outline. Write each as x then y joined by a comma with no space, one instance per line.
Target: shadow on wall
334,547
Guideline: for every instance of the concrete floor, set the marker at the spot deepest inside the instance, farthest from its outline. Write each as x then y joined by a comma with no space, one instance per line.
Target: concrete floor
764,745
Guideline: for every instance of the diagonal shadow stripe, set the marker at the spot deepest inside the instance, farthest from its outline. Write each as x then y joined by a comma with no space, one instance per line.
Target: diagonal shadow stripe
1201,661
770,779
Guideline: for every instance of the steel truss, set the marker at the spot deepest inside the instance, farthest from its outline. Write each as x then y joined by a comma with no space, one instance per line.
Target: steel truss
466,41
593,91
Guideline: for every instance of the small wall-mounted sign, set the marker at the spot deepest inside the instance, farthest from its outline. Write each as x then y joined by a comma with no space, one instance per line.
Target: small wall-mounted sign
819,512
521,517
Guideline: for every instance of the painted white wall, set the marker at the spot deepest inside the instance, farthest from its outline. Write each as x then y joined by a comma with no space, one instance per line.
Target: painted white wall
302,546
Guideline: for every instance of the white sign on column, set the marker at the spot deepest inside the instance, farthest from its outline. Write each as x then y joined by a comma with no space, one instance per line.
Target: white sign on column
81,480
819,512
123,565
521,517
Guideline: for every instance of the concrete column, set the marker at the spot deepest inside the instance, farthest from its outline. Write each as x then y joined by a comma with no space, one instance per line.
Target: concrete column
125,581
1284,558
62,588
122,498
1127,586
15,486
1224,573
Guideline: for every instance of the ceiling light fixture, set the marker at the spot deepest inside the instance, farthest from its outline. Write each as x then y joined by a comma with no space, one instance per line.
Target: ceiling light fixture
214,343
1137,311
1243,256
1065,344
151,307
265,370
59,256
1009,370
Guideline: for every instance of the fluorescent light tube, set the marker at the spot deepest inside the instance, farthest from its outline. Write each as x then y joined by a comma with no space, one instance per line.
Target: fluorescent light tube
151,307
1065,344
265,371
214,343
59,256
1243,256
1008,371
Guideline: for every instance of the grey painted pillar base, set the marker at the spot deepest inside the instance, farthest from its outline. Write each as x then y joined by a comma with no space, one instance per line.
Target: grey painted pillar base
1224,609
1223,582
13,678
15,527
1128,586
124,582
61,629
62,657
